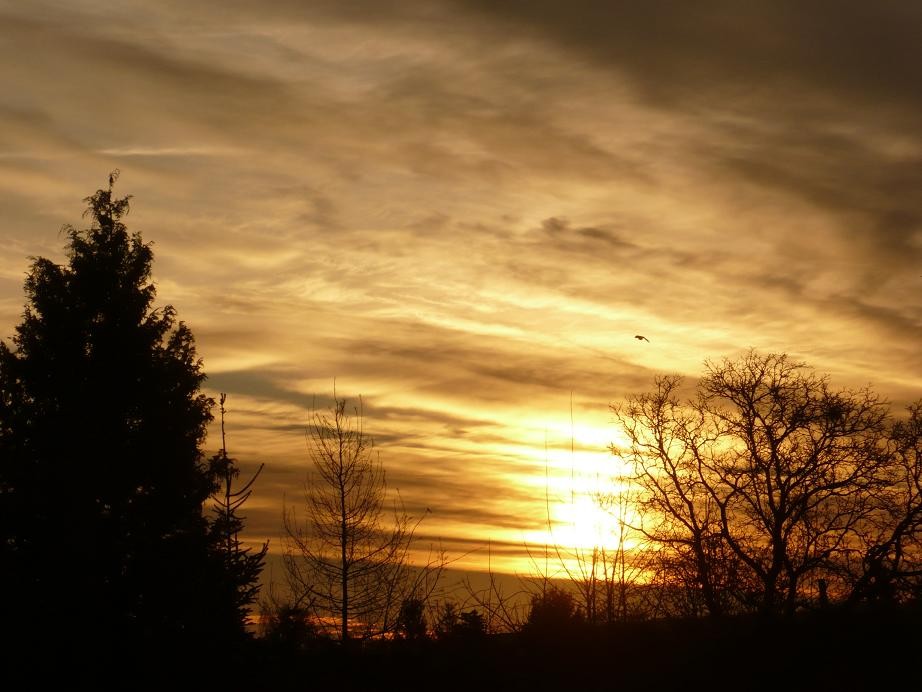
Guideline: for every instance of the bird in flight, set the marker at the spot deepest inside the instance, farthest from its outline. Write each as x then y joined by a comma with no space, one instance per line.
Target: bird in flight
641,338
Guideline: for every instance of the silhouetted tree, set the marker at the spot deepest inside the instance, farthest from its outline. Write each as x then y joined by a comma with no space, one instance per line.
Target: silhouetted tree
886,568
454,624
471,625
605,574
502,603
552,611
288,627
242,566
767,466
411,620
696,572
102,483
344,559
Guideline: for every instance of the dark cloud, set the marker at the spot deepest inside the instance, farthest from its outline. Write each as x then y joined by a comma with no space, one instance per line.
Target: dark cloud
589,240
852,177
458,490
122,72
267,384
497,367
683,52
797,97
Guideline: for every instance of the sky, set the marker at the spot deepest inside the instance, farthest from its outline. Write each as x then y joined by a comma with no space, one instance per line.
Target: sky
464,211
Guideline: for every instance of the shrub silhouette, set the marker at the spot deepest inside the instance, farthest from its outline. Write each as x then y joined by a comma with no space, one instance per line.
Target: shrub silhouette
552,610
411,620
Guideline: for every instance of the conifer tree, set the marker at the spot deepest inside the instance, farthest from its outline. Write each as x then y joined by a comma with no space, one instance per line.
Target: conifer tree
242,565
102,477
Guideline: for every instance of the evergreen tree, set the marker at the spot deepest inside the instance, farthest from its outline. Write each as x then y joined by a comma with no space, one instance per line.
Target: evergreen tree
102,479
242,566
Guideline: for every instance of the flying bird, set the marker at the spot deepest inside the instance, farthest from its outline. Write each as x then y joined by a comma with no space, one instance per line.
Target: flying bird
641,338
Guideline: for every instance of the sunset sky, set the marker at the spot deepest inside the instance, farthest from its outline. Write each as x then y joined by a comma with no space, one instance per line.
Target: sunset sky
465,210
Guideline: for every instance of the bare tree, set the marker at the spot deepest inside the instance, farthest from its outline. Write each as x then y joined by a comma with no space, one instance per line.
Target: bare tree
344,560
603,576
627,562
674,501
502,603
767,465
886,567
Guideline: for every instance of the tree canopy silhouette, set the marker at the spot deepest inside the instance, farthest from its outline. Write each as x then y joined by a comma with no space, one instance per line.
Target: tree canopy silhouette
769,482
102,480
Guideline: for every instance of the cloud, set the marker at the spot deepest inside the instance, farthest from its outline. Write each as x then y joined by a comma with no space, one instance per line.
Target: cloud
816,105
673,51
174,87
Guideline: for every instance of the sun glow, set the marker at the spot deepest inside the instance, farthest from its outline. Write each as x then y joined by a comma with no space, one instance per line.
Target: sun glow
587,494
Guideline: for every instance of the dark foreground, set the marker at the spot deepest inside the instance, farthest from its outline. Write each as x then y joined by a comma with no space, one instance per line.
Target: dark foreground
820,651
